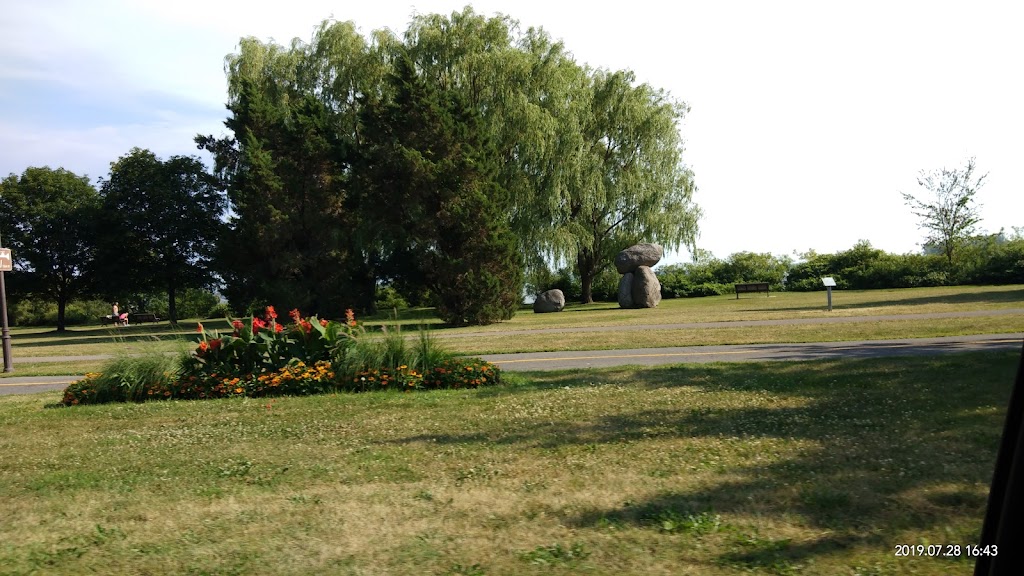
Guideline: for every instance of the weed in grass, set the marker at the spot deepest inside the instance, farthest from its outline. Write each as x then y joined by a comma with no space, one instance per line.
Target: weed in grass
673,522
234,469
556,555
303,499
754,552
460,570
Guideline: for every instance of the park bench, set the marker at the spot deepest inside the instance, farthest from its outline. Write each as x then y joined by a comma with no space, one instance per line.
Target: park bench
142,317
752,287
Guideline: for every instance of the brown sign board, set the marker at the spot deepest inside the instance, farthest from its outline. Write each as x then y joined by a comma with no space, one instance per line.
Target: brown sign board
6,264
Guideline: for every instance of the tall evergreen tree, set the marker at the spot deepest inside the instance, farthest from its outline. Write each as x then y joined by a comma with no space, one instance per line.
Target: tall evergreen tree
427,159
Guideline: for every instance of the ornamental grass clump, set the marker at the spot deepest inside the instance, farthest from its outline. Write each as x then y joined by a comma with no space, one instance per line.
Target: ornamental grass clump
124,379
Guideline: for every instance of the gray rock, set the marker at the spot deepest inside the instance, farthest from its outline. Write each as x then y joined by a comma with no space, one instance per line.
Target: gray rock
550,301
646,288
638,255
626,290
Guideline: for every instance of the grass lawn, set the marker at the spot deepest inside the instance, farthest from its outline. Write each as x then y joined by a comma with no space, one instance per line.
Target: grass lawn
766,468
507,337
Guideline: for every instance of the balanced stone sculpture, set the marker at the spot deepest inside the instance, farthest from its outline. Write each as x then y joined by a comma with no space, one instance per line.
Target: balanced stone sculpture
639,287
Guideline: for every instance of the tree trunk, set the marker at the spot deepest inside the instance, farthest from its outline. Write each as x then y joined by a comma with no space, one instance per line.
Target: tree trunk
585,264
62,304
172,310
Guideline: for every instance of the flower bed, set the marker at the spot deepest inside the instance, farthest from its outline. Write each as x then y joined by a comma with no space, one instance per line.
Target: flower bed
306,356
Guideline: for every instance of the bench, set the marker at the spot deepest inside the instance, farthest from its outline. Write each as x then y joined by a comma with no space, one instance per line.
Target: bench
752,287
143,317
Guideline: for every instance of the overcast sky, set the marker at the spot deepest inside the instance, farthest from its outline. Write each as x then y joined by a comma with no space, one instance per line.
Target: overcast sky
807,118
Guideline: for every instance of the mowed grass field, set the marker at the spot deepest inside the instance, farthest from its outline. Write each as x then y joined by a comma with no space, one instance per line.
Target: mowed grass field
716,469
529,332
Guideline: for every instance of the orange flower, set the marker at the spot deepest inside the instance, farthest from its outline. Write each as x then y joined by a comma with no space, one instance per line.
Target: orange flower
199,327
306,326
350,317
271,313
295,315
278,327
323,323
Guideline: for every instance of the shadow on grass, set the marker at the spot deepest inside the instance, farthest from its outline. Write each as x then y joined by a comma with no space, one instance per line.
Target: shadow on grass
871,449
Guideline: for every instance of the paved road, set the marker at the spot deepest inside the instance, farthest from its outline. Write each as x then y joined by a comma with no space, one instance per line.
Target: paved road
29,384
756,352
653,356
738,323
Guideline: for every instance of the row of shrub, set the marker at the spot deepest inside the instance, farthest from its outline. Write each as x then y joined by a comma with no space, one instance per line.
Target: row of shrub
264,357
984,260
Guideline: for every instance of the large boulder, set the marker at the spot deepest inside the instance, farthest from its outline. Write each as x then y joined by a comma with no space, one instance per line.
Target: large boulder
646,288
638,255
626,290
550,301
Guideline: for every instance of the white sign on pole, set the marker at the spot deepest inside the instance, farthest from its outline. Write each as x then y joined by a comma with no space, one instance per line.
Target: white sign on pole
6,264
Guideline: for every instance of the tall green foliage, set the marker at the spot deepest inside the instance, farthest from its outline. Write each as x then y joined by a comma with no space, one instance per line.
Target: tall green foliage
47,218
160,222
589,161
287,167
427,160
593,162
949,213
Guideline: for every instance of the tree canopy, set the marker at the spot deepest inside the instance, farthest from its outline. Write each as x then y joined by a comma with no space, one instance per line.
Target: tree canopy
586,161
949,213
160,222
47,218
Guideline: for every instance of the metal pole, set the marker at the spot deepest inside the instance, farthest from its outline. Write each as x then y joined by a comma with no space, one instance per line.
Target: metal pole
5,332
829,298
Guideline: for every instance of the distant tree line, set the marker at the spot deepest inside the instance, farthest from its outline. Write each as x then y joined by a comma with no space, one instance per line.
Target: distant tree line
444,167
980,259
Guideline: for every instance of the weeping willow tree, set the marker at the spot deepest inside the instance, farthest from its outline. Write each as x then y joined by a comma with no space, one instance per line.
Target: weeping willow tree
592,160
621,178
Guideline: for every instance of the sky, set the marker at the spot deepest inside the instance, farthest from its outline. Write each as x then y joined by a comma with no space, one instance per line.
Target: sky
807,119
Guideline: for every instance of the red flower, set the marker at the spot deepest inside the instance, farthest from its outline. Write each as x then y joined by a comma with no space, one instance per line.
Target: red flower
271,313
295,314
350,317
215,344
278,327
199,327
306,326
323,323
257,324
237,324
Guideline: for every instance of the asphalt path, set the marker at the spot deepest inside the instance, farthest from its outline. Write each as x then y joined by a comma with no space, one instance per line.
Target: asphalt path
755,352
688,354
